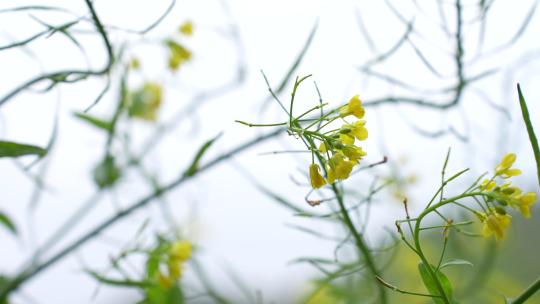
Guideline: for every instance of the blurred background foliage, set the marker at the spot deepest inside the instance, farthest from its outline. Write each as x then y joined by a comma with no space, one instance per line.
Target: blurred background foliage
107,109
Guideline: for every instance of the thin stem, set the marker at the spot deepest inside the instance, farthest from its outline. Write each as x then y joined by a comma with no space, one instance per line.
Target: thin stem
261,125
396,289
273,94
418,246
362,247
81,74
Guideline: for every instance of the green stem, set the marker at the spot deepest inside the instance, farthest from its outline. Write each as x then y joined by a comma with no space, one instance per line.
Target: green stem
418,246
527,293
360,243
261,125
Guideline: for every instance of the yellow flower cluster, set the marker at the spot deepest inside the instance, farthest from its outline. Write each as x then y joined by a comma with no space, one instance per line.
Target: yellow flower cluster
338,147
496,219
178,254
178,53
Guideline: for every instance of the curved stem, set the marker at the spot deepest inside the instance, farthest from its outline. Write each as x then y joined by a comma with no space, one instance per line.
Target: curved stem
418,246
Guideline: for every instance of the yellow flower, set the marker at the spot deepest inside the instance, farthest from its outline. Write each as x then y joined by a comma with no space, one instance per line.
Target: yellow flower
349,132
339,168
181,251
322,147
353,153
354,107
495,223
524,202
504,168
186,28
346,139
317,180
487,185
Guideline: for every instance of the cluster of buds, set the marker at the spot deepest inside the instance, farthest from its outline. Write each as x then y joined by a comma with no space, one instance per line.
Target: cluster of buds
175,258
499,197
338,150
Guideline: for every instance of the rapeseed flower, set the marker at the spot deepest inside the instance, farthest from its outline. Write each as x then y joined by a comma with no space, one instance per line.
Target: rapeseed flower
339,168
504,168
317,180
354,107
495,223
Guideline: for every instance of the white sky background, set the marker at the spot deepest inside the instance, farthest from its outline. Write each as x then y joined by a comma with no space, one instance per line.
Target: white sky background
235,226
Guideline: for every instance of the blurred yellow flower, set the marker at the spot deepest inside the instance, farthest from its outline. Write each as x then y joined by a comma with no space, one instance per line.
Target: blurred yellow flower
322,148
504,168
487,185
186,28
524,202
179,253
495,223
181,250
317,180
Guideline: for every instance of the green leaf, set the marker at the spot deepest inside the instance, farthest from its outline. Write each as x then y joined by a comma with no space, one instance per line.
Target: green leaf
6,221
456,262
192,169
12,149
431,284
96,122
530,131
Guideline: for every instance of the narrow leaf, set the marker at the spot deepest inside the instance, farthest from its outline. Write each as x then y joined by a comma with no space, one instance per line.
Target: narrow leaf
6,222
96,122
12,149
456,262
192,169
530,131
